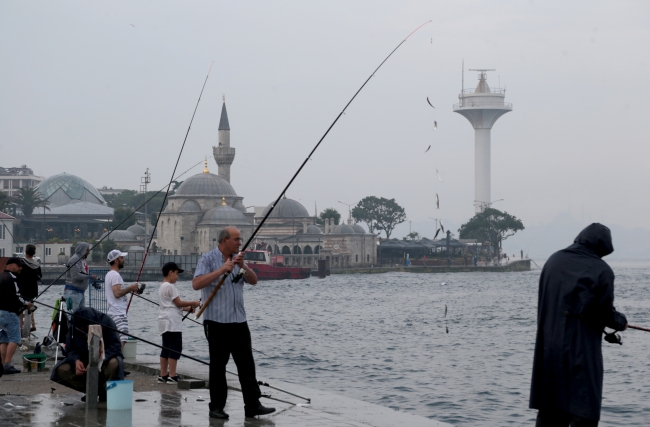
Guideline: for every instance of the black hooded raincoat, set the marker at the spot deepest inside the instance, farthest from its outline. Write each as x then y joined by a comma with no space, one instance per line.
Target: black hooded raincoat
576,302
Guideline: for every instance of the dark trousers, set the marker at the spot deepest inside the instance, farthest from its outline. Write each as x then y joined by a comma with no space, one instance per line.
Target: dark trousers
68,377
225,339
562,419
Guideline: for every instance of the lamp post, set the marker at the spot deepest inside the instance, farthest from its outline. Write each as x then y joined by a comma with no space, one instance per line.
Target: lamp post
436,220
146,179
349,210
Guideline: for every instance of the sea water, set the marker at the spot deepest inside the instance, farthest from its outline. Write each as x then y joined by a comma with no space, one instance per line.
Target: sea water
383,339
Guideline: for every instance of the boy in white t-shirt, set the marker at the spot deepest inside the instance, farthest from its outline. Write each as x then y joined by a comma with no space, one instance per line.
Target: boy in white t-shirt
170,322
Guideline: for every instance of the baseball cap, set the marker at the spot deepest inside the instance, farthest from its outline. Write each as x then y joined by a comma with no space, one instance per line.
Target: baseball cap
15,260
115,254
171,266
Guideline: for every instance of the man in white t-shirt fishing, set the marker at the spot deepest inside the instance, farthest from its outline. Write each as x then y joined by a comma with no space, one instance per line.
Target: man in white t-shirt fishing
117,293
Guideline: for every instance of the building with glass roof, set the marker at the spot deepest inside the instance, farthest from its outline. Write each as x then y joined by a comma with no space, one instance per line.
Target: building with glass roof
76,210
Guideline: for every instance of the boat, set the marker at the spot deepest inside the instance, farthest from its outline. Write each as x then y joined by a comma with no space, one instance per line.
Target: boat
271,267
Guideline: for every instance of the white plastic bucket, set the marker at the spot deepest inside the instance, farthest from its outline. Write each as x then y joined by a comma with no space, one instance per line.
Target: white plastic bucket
130,349
119,395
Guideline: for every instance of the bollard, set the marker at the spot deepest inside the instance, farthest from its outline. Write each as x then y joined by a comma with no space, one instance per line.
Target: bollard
92,370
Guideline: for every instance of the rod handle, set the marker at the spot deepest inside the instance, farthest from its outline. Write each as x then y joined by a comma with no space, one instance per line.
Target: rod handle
214,292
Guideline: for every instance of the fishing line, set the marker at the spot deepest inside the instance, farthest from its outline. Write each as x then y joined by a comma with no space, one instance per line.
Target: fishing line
250,239
170,350
171,179
115,228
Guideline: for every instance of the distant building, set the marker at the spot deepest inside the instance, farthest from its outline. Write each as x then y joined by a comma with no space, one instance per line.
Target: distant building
13,179
106,191
6,235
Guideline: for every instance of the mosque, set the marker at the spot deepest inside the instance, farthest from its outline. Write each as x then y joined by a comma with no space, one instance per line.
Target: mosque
206,203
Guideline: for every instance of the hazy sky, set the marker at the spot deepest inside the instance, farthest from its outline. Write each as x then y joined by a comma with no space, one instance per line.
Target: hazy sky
105,90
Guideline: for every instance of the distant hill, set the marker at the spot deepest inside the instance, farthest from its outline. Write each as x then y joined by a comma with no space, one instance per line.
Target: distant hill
541,241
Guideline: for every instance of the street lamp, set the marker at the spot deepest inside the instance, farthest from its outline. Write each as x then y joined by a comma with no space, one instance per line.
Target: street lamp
436,220
349,210
486,205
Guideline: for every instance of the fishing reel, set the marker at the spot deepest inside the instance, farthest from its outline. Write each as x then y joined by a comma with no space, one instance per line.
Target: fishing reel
97,284
141,288
613,338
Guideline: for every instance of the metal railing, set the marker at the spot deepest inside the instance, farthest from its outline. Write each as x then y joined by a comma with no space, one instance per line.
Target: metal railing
495,105
492,90
96,290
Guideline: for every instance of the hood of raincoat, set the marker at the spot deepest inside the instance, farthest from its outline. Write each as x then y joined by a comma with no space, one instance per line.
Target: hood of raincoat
597,238
81,249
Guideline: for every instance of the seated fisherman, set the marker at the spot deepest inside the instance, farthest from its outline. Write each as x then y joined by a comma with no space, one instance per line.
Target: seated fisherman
71,372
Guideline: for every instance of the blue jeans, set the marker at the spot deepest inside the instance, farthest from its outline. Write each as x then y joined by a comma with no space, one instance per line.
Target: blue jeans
9,327
78,299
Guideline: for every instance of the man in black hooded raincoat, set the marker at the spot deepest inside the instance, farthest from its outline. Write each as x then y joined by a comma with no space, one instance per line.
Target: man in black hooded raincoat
576,302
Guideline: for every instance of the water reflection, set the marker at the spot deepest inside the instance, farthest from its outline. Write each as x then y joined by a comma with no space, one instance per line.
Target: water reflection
170,409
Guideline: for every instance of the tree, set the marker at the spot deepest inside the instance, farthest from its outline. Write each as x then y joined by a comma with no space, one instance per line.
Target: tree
4,201
413,235
329,213
492,226
379,214
29,199
122,214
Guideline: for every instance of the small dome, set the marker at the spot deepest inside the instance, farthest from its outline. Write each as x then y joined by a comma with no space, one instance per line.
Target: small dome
343,229
64,188
239,206
205,184
120,236
137,230
314,229
287,208
190,206
358,229
223,215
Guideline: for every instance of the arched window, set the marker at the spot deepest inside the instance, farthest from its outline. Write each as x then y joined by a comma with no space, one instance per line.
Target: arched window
357,258
286,250
296,250
368,258
317,250
307,250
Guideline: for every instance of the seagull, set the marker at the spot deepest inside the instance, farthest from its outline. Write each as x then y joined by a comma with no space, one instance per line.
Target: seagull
434,237
437,201
441,227
435,125
445,310
430,103
428,148
132,25
438,173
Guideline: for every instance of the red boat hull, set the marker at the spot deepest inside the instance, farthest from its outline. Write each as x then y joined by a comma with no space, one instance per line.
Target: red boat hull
269,272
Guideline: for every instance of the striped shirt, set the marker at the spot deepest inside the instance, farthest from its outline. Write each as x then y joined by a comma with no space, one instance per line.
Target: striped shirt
227,306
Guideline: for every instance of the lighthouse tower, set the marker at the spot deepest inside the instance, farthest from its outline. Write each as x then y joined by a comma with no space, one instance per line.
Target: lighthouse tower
482,107
224,154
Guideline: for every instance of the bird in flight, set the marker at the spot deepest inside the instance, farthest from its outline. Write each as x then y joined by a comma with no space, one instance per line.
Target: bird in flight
437,201
428,149
438,173
435,125
430,103
132,25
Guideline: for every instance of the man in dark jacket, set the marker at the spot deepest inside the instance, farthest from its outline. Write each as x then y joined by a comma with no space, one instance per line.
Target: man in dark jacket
71,372
575,304
11,305
28,282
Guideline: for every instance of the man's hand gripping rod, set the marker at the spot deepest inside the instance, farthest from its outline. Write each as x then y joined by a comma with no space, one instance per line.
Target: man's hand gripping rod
214,292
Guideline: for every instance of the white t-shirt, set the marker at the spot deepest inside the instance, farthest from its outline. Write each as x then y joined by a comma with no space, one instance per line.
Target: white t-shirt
116,306
170,317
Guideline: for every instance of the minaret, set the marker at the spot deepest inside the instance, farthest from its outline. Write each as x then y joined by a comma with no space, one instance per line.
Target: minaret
224,154
482,107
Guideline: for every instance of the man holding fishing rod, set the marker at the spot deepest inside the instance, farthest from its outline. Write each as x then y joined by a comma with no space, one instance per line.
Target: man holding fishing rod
225,323
576,303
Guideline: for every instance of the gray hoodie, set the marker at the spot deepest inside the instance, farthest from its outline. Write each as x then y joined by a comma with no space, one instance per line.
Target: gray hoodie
76,275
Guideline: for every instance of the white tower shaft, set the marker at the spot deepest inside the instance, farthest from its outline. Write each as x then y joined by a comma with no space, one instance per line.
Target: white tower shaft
482,161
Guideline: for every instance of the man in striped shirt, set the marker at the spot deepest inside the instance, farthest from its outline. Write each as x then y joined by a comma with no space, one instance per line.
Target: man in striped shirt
225,323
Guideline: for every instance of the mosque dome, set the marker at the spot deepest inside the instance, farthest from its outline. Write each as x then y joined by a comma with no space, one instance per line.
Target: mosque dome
120,236
190,206
205,184
313,229
239,206
137,230
358,229
223,215
287,208
343,229
63,189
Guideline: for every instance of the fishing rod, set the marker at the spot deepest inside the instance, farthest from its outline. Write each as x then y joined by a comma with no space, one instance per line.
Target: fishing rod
114,228
250,239
171,179
170,350
638,328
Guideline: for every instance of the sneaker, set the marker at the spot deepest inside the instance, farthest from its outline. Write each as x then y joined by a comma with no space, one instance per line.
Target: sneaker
162,379
11,370
173,380
127,373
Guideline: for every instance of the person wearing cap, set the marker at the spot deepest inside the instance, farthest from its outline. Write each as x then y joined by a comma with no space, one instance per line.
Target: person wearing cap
117,293
170,322
11,305
76,276
225,323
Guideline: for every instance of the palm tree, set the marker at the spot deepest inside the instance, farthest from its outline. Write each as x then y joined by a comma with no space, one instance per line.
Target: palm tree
28,199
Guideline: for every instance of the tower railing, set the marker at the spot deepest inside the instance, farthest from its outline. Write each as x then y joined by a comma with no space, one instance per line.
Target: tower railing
468,104
492,90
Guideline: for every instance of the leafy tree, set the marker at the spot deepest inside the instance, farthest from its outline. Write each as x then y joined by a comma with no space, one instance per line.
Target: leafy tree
491,225
413,235
329,213
122,214
29,199
105,247
379,214
4,201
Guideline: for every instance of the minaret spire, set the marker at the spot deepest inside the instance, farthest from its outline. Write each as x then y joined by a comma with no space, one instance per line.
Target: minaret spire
224,155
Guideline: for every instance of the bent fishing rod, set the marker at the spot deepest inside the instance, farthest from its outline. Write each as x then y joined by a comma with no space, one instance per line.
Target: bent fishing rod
94,322
250,239
114,228
171,179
